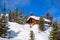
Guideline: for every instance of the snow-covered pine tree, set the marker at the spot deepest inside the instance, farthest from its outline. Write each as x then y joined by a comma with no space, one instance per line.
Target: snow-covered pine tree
16,15
59,24
3,27
0,15
3,23
41,24
11,16
53,33
25,18
16,10
21,16
19,21
48,16
4,9
31,36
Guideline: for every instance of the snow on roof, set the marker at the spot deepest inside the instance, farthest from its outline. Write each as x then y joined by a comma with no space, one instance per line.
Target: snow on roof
46,20
34,17
37,18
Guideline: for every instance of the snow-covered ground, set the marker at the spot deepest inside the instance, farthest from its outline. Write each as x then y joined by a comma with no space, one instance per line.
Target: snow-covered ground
22,32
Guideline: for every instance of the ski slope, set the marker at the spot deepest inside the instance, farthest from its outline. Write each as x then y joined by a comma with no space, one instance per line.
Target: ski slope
22,32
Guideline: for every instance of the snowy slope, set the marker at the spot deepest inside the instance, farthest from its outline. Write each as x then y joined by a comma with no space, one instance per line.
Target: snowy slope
22,32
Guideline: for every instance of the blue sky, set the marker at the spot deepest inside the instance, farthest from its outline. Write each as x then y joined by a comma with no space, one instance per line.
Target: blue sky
38,7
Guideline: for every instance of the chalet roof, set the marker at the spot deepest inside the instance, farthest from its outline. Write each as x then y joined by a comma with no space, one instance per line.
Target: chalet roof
34,17
47,20
37,18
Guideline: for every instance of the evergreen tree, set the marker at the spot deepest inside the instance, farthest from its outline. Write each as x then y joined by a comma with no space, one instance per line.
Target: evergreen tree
25,18
9,16
21,16
41,24
59,24
16,16
48,16
53,33
4,9
3,23
31,14
19,21
12,16
4,17
17,10
54,25
31,35
3,27
0,16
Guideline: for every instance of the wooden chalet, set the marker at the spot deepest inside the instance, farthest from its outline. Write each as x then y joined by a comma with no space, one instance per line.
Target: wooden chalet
34,20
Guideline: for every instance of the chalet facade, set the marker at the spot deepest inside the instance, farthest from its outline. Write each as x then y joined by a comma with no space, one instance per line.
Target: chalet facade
34,20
